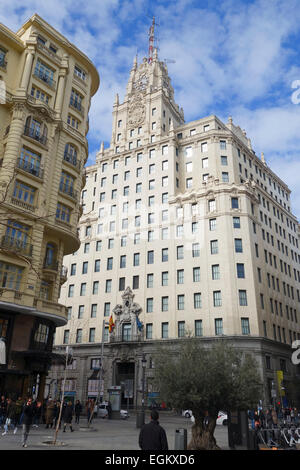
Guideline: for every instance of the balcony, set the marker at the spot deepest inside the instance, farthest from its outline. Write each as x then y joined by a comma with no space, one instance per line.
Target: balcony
35,134
125,338
23,204
68,190
77,106
16,246
45,78
72,159
29,168
50,265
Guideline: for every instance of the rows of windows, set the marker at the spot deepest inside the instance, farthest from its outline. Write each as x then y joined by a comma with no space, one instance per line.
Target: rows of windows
181,331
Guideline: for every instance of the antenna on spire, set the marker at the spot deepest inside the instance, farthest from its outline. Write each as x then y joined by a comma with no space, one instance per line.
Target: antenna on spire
151,40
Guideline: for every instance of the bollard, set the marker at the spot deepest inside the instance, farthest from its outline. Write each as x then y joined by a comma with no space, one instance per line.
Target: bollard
180,439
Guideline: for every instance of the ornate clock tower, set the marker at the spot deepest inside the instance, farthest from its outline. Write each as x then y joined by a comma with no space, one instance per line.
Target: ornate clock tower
149,110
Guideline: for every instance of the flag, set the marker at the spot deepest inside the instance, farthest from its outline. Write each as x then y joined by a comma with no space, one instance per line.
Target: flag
139,324
111,324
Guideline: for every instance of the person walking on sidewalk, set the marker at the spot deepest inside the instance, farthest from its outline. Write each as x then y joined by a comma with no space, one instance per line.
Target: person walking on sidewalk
78,410
68,416
10,417
152,435
27,420
3,407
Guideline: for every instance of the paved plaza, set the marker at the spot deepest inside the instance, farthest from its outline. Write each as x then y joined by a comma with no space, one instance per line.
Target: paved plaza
105,435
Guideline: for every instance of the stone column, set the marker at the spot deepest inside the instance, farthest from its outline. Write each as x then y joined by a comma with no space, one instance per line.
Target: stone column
12,149
61,84
27,69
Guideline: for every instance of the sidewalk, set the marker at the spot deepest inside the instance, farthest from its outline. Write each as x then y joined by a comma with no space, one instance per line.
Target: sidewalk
105,435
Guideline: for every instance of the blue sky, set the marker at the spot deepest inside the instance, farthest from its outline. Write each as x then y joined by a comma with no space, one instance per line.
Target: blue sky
232,57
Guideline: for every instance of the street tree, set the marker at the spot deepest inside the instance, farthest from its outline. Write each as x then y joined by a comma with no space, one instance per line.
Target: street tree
207,379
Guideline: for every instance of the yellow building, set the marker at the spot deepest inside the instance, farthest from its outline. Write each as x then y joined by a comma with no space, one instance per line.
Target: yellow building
46,85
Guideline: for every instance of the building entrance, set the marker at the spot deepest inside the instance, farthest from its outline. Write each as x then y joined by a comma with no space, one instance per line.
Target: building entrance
125,378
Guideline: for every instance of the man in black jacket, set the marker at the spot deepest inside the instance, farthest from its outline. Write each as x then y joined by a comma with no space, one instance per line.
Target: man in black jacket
27,420
152,435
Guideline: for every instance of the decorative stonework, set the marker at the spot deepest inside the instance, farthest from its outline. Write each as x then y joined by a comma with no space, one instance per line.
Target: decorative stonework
128,312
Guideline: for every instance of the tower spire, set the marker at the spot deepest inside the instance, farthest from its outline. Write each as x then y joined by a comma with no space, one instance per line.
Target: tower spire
151,41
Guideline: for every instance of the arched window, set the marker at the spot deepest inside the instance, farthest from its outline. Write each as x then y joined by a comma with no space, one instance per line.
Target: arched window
50,256
70,154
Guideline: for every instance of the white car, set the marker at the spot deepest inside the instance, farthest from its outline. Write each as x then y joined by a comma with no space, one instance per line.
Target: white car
102,410
187,413
222,418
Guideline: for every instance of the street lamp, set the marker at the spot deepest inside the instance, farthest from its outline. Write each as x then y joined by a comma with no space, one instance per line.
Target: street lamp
144,363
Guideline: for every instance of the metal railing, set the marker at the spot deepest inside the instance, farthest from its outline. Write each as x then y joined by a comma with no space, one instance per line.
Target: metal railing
45,78
68,190
29,168
34,134
72,159
23,204
18,246
76,105
52,265
125,338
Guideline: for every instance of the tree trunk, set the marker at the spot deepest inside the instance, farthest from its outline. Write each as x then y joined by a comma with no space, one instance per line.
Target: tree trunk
203,435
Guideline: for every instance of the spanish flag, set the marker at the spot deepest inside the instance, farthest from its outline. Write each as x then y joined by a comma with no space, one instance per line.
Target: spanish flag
111,324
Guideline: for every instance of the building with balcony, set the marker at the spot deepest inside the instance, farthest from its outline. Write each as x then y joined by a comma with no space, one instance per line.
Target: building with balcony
42,156
184,229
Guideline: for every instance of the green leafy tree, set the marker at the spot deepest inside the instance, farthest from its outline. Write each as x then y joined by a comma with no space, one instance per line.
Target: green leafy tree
207,380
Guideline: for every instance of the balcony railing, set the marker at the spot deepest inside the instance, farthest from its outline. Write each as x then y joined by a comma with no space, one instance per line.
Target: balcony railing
23,204
29,168
125,338
68,190
45,78
17,246
35,134
77,105
52,265
72,159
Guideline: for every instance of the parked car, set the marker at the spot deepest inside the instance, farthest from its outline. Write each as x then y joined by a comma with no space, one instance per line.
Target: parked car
102,410
187,413
222,418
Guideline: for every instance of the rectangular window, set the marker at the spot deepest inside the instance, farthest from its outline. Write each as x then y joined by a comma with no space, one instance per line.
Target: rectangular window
83,288
238,245
108,285
245,326
181,329
107,309
196,274
149,307
236,222
180,252
92,335
150,278
195,250
109,265
214,247
149,330
121,283
135,282
212,224
180,276
164,304
240,268
95,287
165,330
215,272
217,298
79,335
243,297
164,278
180,302
80,311
197,300
93,310
218,326
234,203
198,328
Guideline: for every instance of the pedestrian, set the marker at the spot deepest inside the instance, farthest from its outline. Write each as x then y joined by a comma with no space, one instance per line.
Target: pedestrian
49,414
10,417
78,410
274,418
109,410
89,410
27,420
262,418
37,414
19,410
152,435
257,423
68,416
3,406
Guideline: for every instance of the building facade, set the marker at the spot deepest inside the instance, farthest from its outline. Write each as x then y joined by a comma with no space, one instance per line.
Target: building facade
187,221
46,90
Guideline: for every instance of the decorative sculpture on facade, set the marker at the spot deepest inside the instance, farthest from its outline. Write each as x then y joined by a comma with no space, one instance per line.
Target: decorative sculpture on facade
127,316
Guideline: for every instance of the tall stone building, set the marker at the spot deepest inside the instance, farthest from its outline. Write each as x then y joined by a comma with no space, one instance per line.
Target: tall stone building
46,88
185,229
